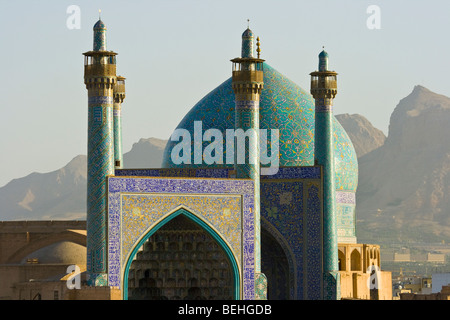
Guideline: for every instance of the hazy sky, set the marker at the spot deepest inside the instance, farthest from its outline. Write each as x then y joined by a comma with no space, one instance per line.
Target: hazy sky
173,52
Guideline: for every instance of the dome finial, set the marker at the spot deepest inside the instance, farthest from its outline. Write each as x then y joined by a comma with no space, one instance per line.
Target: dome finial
99,14
248,23
258,49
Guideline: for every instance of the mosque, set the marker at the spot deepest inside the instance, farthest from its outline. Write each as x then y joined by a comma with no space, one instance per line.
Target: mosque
222,219
211,224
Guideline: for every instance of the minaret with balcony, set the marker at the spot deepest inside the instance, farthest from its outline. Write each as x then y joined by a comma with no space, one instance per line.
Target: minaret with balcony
247,83
100,80
324,90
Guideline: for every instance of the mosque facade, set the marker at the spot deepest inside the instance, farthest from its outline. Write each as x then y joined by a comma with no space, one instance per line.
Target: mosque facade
222,219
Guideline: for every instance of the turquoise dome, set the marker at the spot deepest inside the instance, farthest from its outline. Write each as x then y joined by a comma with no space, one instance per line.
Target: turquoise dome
99,25
247,33
284,106
323,54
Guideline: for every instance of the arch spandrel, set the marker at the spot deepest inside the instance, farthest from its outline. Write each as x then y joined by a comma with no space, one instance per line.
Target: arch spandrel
141,213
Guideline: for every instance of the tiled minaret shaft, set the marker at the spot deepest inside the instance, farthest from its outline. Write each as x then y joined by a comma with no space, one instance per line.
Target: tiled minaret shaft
324,90
247,83
100,80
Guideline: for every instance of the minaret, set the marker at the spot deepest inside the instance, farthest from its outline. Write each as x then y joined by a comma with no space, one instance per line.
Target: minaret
247,83
324,89
100,79
119,96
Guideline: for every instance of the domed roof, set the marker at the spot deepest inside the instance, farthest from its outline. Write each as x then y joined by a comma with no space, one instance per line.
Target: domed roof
247,33
284,106
99,25
323,54
61,252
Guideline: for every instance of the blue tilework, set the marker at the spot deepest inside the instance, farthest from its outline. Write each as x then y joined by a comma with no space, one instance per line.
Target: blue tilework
195,173
294,269
247,44
313,244
178,187
284,106
100,165
282,208
295,173
324,154
247,117
99,36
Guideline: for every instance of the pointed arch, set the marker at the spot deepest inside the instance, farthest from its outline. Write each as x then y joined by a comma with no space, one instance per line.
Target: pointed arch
267,227
205,226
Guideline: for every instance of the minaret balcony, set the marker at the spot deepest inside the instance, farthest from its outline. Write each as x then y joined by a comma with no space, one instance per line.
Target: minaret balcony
248,77
100,70
119,88
324,80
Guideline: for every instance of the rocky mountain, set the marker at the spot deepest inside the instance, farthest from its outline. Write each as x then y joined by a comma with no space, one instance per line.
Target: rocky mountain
147,153
364,136
404,185
57,195
61,194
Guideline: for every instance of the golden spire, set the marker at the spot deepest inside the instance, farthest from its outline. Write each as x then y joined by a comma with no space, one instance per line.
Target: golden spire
258,49
99,14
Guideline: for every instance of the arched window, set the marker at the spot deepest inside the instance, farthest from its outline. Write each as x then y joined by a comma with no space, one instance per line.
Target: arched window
355,259
342,261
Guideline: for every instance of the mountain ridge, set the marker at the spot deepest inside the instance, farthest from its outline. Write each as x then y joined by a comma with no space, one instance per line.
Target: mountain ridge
403,184
404,177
